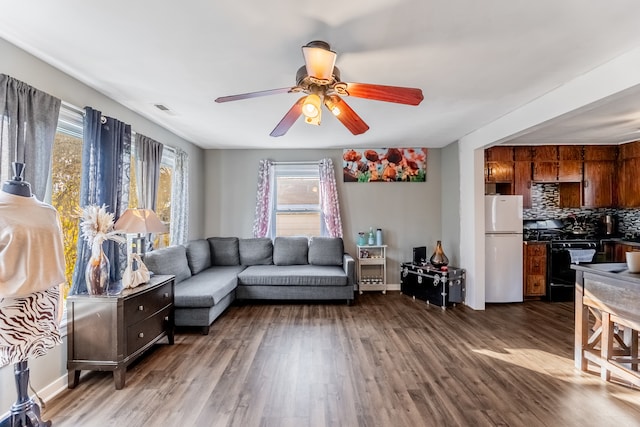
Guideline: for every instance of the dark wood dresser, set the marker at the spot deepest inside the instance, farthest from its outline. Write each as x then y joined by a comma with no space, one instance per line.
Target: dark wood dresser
108,332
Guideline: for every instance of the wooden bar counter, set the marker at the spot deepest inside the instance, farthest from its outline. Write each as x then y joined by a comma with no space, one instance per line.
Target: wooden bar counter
607,316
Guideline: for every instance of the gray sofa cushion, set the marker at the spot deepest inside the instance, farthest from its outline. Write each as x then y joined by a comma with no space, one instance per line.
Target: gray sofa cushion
224,250
207,288
257,251
170,260
198,255
290,250
297,275
326,251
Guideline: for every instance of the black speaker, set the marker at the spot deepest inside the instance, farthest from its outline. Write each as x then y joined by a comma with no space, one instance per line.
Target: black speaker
420,255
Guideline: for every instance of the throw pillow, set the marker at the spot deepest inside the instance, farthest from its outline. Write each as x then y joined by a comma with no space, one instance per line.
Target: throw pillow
290,250
198,255
257,251
224,250
170,260
326,251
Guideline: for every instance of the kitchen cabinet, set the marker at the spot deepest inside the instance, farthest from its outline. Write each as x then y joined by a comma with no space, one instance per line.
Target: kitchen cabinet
598,188
499,164
569,194
535,269
569,163
620,251
522,182
545,163
557,163
627,177
523,155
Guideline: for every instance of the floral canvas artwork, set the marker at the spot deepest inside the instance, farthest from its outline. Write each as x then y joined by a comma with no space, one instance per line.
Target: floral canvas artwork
385,165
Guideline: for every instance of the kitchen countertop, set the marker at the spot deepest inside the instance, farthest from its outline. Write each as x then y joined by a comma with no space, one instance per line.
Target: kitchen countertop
614,270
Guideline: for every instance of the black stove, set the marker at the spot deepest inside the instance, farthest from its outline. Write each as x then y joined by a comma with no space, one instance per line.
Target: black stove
562,279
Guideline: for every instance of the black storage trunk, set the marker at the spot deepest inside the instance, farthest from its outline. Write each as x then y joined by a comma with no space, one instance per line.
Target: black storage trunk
442,288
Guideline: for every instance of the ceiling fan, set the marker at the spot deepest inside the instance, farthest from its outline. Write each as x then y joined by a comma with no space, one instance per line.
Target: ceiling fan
319,79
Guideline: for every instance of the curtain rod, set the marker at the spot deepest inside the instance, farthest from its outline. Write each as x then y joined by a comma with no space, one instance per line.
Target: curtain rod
82,112
309,162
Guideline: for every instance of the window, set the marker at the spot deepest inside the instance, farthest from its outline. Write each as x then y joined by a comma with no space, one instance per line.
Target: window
163,201
296,201
65,182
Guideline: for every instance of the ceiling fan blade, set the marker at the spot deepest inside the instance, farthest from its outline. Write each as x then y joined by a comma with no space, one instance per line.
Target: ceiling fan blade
254,94
400,95
346,115
289,119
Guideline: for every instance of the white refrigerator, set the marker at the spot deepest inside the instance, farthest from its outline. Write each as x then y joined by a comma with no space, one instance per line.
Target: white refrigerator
503,249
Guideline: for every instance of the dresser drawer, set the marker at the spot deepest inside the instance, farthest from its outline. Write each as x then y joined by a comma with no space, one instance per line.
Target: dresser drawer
144,305
147,330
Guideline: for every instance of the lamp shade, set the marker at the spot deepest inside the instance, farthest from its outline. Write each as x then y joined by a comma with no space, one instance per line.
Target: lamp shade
142,221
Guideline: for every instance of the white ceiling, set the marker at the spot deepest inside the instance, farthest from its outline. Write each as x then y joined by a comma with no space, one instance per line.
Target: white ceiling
474,60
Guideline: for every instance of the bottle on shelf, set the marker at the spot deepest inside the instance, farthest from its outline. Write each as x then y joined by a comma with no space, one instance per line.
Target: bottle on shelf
371,237
379,237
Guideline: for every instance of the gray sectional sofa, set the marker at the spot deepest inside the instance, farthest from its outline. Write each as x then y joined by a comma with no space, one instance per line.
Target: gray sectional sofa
211,273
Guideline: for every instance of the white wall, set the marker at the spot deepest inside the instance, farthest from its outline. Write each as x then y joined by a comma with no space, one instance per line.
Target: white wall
409,214
451,203
47,371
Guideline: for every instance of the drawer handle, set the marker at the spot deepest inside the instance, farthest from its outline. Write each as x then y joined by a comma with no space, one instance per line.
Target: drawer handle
166,294
141,308
141,335
166,318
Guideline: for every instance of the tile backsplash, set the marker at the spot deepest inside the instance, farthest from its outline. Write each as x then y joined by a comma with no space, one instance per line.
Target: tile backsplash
545,205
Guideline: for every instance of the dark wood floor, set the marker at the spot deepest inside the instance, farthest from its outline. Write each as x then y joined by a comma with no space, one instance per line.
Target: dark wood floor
386,361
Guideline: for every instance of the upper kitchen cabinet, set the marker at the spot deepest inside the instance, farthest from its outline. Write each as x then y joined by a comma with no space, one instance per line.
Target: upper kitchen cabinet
557,163
499,164
545,163
627,176
569,163
598,188
522,171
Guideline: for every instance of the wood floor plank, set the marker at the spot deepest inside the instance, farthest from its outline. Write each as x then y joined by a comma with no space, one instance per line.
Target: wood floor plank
387,360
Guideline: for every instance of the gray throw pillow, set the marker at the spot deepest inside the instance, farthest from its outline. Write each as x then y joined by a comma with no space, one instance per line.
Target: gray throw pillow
170,260
326,251
224,250
198,255
258,251
290,250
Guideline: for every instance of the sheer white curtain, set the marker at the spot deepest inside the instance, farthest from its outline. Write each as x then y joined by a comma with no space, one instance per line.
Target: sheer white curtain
179,228
329,203
263,199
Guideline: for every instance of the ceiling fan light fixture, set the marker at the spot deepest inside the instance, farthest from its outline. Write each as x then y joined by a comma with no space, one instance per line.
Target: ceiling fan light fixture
319,59
332,106
312,109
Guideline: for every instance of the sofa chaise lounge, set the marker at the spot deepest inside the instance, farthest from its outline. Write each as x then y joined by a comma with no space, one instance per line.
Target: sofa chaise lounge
211,273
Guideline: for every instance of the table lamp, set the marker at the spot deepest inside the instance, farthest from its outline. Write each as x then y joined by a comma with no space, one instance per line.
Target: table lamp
140,222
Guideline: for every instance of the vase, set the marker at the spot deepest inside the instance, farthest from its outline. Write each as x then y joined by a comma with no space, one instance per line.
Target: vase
97,274
439,259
